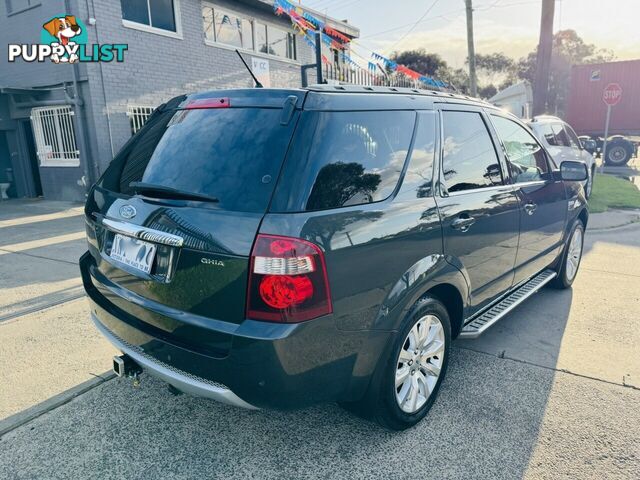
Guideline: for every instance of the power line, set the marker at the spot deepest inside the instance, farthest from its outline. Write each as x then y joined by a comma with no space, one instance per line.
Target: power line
416,23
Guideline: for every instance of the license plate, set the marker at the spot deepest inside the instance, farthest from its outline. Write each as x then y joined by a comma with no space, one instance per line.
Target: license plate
133,252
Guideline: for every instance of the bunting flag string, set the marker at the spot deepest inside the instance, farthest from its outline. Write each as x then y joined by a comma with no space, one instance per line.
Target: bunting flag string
304,22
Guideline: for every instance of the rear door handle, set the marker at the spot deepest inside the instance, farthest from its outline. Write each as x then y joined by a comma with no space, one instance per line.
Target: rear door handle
463,223
530,208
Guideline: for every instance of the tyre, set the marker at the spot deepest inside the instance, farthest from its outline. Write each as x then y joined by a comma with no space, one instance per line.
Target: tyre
567,269
618,153
407,383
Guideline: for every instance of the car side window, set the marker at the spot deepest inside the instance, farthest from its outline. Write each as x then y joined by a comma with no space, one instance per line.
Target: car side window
573,138
561,135
419,175
469,158
526,159
549,134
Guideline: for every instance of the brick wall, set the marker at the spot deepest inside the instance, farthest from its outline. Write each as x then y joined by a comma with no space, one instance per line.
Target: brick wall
157,67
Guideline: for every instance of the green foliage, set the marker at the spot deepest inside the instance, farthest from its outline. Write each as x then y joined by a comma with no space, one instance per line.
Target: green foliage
613,192
568,49
493,68
496,71
419,60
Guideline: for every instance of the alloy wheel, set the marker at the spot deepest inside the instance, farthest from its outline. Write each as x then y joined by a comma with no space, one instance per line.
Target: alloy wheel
419,363
574,254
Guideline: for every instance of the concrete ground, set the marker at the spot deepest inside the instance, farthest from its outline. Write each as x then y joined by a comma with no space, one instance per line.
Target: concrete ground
552,391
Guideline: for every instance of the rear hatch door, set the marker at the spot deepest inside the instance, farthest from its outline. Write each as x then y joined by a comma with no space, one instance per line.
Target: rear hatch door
173,220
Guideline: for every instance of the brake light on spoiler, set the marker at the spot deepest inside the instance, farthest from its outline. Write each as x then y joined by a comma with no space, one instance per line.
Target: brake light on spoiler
288,281
208,103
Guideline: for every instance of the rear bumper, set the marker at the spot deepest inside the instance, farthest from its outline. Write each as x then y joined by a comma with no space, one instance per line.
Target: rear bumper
183,381
262,365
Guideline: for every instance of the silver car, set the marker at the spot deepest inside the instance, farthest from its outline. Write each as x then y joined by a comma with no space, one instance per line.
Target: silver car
563,144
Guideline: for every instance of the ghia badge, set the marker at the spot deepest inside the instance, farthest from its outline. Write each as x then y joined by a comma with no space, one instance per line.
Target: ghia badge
128,211
212,261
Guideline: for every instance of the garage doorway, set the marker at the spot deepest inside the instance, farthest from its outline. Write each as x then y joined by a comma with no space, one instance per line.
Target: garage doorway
31,164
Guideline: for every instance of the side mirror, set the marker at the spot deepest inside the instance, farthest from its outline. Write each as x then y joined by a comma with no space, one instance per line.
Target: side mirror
571,171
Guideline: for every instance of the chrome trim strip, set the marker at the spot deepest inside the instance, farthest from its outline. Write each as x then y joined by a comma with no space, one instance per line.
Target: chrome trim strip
507,188
499,310
183,381
143,233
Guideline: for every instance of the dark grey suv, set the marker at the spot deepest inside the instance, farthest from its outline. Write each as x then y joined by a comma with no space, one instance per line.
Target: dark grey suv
278,248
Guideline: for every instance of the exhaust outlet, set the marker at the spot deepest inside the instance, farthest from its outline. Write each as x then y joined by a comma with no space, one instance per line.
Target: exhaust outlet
124,366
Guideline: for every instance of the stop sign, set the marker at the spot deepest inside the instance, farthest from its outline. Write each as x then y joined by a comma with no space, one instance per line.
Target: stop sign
612,94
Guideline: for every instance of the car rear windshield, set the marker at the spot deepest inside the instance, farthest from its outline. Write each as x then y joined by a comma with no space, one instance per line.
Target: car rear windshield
232,154
340,159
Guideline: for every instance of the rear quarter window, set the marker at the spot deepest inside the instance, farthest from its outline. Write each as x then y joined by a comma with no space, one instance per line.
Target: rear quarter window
340,159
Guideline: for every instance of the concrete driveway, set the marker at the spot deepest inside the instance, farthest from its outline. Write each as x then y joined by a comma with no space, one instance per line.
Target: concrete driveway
552,391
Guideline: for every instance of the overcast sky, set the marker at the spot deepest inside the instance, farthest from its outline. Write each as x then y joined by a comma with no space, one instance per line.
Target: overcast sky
509,26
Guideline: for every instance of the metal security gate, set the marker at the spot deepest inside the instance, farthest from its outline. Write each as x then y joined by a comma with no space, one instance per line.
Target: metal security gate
55,136
138,116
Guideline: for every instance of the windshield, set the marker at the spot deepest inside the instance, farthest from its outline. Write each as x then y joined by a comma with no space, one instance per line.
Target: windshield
231,154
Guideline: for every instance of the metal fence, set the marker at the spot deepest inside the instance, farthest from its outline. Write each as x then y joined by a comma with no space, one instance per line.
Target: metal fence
55,137
345,74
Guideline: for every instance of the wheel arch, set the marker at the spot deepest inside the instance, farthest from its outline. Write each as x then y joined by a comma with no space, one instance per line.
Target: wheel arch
432,276
451,298
583,216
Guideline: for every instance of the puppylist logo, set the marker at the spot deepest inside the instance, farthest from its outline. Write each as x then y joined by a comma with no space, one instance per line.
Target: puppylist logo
63,39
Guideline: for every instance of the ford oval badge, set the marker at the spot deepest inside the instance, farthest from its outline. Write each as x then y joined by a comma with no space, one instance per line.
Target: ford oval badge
128,211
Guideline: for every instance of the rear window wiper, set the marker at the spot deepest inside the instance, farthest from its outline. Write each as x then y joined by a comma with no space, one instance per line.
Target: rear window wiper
169,192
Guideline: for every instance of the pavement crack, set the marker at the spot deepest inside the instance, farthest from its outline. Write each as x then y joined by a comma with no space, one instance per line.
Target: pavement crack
502,356
27,416
610,272
38,256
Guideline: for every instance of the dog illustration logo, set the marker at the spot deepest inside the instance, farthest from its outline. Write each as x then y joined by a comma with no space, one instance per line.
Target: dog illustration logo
66,30
65,39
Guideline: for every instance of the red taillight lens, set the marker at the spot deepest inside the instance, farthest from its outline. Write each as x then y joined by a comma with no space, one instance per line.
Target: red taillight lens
208,103
283,291
288,281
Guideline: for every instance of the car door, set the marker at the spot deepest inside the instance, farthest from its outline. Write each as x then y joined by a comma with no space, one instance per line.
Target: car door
479,211
543,200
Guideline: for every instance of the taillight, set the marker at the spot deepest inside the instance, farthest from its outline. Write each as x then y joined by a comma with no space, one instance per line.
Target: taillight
208,103
288,280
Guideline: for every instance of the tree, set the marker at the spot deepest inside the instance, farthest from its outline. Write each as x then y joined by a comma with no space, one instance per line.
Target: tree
459,78
419,60
495,67
487,91
568,49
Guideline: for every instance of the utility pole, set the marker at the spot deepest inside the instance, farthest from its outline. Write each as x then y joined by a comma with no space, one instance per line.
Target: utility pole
543,60
473,85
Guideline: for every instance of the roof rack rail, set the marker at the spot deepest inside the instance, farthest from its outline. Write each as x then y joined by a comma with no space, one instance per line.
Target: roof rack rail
351,88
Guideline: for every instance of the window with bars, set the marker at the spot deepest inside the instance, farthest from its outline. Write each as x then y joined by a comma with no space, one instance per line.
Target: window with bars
55,136
138,116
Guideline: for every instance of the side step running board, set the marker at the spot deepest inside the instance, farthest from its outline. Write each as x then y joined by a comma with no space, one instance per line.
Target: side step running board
480,324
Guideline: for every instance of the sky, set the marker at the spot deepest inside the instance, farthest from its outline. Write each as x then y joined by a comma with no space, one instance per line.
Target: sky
507,26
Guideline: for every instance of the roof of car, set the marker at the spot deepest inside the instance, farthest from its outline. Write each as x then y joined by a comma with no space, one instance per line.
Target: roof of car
339,97
371,89
545,118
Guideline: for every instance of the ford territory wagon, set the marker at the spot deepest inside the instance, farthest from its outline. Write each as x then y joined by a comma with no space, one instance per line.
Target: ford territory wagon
277,248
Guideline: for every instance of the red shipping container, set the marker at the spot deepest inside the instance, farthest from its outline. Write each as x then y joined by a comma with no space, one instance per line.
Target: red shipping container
586,111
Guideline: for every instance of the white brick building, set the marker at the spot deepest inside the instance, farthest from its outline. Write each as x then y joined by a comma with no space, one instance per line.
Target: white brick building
174,47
